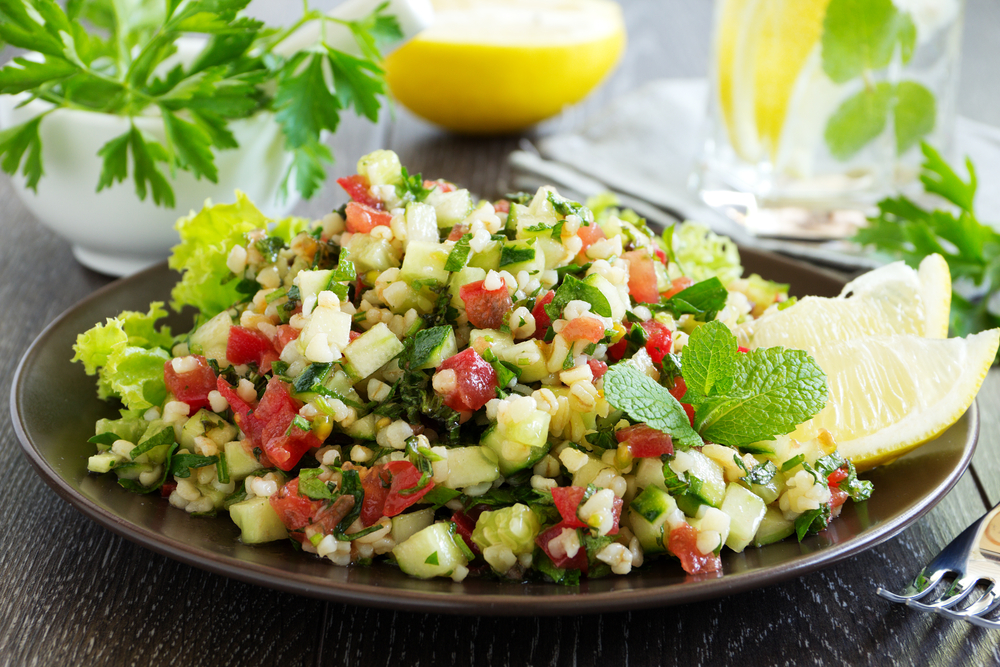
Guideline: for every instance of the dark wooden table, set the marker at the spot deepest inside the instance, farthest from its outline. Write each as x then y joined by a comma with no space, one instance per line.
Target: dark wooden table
72,593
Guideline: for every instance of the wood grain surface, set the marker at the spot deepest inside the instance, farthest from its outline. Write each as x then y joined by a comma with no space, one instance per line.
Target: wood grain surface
72,593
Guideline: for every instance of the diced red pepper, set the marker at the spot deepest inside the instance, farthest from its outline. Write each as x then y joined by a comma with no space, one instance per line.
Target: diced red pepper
598,368
485,308
641,276
191,387
567,500
405,477
357,187
683,543
645,442
362,219
583,328
542,319
475,381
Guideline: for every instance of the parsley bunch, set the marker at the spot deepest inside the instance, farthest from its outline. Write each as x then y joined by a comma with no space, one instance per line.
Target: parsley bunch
122,66
904,230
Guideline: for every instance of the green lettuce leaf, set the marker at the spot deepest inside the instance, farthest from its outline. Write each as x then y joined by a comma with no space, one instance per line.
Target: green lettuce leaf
703,254
127,354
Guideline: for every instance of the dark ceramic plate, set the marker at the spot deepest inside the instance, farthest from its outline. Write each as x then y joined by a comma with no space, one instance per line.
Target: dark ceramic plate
54,406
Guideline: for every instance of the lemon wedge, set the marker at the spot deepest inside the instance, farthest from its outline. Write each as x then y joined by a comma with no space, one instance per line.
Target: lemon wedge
492,66
893,299
761,49
890,394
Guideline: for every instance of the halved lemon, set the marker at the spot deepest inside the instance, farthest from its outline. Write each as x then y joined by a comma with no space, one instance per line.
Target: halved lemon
890,394
493,66
893,299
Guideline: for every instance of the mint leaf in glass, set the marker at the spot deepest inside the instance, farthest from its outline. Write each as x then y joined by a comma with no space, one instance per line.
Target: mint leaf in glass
858,120
915,114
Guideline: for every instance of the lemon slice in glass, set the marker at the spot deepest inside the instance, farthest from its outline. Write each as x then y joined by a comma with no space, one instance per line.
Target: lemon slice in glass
893,299
491,66
890,394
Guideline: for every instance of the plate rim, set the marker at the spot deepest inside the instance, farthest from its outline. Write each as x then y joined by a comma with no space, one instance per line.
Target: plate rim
491,604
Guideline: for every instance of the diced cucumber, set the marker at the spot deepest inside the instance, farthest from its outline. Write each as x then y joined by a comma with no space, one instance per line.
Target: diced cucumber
468,466
363,429
520,445
774,527
488,258
772,490
207,423
257,521
648,515
411,523
311,283
713,484
497,341
589,471
529,357
381,167
451,207
421,224
745,510
432,346
372,254
370,351
101,463
432,552
125,429
541,208
610,293
212,337
333,324
517,256
649,472
469,274
241,463
425,261
155,453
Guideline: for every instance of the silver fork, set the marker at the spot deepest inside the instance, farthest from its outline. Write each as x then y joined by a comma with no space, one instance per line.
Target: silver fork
972,557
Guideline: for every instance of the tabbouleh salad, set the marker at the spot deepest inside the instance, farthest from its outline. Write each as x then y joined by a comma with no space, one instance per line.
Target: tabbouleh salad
530,387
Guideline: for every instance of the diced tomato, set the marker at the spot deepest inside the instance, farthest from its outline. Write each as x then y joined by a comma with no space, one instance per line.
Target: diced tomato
464,525
167,489
376,486
297,511
618,350
660,255
362,219
405,477
678,285
598,368
270,426
501,206
485,308
577,562
837,476
441,185
658,340
475,381
837,497
616,514
583,328
352,335
542,319
286,334
641,276
742,349
191,387
567,500
678,391
457,232
645,442
358,188
249,346
683,543
590,234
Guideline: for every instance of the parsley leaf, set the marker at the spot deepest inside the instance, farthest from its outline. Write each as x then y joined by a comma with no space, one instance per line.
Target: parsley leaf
14,143
703,300
740,399
644,400
573,289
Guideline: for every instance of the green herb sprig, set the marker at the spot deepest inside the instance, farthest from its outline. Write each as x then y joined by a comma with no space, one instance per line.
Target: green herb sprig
115,57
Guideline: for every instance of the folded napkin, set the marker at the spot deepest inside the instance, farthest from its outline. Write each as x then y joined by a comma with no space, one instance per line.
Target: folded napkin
644,145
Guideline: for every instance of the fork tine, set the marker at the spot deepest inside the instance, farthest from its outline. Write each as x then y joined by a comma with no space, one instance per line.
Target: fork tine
964,586
987,601
928,586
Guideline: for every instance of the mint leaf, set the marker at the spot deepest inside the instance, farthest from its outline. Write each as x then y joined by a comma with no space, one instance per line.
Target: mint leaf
644,400
859,119
769,393
311,486
574,289
916,114
14,143
861,35
709,360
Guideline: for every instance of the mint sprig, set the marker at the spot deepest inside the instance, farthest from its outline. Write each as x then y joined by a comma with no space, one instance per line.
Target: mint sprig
644,400
742,398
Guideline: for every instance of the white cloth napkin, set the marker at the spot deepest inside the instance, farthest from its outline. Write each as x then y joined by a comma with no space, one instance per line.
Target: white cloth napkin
646,142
